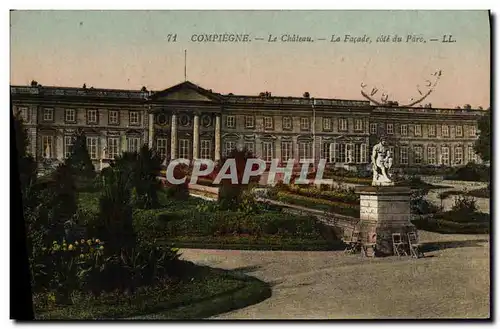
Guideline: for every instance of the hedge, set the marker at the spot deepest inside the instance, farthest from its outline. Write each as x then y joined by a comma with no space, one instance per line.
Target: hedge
452,223
470,172
227,223
477,193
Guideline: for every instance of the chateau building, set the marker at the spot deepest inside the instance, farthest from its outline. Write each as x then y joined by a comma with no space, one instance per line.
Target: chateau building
187,121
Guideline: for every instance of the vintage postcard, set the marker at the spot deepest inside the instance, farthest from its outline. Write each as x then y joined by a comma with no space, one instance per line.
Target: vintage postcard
325,164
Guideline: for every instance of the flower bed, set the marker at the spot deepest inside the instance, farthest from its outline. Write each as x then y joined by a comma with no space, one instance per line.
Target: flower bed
350,180
205,226
346,196
341,208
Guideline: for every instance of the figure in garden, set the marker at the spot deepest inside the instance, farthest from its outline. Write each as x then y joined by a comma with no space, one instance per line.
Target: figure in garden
381,164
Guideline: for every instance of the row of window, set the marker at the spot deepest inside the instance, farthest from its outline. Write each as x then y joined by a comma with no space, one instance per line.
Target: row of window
432,159
93,116
184,148
305,123
332,152
417,130
113,148
357,152
343,126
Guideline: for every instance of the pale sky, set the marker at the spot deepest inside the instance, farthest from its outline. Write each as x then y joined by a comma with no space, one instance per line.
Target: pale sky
129,49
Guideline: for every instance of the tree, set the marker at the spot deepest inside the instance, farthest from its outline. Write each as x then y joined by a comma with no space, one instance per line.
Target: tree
116,211
483,144
26,164
80,163
142,168
145,178
233,196
64,205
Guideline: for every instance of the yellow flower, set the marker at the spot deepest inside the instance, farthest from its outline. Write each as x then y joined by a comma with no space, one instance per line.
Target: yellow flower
89,241
70,247
97,240
101,247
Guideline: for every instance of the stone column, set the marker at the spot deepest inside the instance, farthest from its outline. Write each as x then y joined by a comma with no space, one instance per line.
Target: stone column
196,136
258,147
173,137
295,145
217,137
277,149
102,146
151,130
123,142
59,149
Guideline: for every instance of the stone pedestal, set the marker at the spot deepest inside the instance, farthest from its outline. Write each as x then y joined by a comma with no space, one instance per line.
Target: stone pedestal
384,210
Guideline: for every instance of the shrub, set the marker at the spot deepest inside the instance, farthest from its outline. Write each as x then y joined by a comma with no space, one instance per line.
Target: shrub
116,211
421,206
80,163
88,266
471,172
143,167
441,225
178,191
465,205
231,195
481,193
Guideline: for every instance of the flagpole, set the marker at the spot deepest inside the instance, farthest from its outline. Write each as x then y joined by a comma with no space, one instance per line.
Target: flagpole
314,132
185,64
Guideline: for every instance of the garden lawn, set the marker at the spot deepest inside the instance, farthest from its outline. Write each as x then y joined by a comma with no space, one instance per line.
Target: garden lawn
208,292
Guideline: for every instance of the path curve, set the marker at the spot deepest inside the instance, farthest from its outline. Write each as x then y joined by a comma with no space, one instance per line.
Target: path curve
451,282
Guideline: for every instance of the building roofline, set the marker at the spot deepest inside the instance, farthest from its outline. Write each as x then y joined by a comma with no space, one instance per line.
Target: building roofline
234,99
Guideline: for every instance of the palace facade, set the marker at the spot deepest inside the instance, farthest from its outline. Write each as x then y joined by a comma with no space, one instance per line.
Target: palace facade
187,121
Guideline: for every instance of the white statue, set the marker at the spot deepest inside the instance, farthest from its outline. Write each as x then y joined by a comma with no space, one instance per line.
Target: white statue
381,164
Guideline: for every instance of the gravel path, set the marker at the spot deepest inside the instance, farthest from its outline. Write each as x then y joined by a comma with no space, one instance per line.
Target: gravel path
452,281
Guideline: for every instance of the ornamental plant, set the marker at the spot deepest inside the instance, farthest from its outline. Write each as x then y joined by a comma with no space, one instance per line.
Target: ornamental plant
67,267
